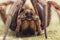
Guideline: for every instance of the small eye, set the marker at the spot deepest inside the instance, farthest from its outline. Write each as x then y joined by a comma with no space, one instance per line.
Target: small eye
31,13
26,14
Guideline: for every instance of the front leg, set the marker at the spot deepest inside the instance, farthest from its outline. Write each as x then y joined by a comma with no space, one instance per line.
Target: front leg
54,4
38,22
6,3
18,24
3,15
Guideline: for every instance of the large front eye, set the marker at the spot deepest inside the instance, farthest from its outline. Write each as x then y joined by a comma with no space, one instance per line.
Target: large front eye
31,13
26,13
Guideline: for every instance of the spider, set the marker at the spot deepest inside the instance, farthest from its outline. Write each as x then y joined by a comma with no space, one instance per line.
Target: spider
39,7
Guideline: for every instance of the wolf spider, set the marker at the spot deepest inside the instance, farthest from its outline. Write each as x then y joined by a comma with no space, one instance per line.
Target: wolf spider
14,11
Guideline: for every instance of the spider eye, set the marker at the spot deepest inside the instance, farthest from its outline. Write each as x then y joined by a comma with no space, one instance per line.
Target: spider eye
26,14
31,13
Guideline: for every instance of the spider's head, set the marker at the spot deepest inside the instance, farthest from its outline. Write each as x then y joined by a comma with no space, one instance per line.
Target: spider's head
29,13
28,9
